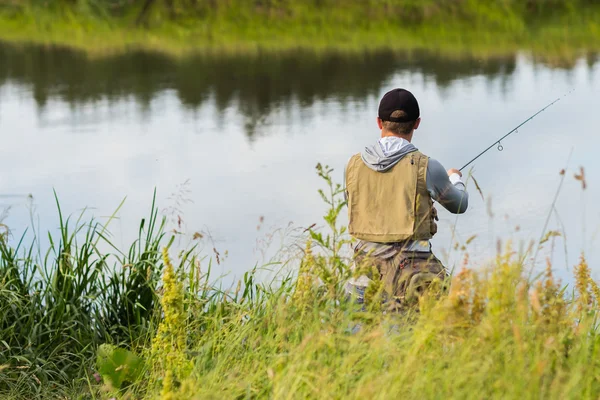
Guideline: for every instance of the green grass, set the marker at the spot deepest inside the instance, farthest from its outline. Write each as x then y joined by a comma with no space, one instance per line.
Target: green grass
475,27
496,334
57,307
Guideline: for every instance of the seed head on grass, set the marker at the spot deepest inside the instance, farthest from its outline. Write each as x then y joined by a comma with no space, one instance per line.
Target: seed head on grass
169,344
302,296
582,283
549,309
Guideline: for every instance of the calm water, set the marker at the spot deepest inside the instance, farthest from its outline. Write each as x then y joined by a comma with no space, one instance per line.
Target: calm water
239,137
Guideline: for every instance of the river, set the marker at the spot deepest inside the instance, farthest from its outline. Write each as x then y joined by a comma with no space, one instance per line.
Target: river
231,143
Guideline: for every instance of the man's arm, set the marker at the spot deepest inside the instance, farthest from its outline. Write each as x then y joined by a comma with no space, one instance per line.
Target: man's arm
447,188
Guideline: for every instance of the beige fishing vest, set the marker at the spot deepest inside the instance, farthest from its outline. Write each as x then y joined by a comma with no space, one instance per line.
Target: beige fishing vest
390,206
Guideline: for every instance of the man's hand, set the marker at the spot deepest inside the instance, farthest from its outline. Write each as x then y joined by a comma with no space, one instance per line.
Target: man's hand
454,171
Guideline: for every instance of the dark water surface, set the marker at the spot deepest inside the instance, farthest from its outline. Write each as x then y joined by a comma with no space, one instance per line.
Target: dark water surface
238,137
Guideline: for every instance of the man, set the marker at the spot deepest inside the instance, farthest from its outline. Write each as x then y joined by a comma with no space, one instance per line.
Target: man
390,188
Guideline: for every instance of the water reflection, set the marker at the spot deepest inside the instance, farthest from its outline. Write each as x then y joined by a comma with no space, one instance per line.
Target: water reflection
255,84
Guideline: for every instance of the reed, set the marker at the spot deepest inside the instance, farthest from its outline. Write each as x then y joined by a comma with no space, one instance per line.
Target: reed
57,307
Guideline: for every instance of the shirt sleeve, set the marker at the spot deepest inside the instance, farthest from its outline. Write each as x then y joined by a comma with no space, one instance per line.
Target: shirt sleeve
449,191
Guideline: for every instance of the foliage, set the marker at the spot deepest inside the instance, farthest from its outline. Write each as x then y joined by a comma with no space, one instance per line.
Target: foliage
328,268
168,356
119,367
175,26
57,307
496,334
128,292
407,11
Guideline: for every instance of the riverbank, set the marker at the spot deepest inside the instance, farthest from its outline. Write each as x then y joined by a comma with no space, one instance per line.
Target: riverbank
485,33
146,323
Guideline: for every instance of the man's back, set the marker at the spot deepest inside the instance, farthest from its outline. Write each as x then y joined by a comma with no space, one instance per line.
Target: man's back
390,189
391,206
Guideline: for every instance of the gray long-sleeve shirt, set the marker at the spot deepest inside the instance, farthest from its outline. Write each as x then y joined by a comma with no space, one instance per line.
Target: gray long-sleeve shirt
449,191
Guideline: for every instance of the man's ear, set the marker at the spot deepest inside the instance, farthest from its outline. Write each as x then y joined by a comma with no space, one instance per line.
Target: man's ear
417,123
379,123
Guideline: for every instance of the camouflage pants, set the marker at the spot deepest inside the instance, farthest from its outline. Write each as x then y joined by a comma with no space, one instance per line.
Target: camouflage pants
404,276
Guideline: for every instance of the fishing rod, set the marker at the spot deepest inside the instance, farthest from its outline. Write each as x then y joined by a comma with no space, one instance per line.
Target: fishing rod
498,142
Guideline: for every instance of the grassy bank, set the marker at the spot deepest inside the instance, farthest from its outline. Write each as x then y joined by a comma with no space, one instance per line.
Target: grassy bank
82,322
556,28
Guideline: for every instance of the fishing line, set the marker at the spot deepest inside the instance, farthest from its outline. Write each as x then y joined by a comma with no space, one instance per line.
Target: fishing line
499,141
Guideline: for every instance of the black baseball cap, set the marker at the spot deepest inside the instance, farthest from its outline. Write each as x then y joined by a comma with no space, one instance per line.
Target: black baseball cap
399,99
